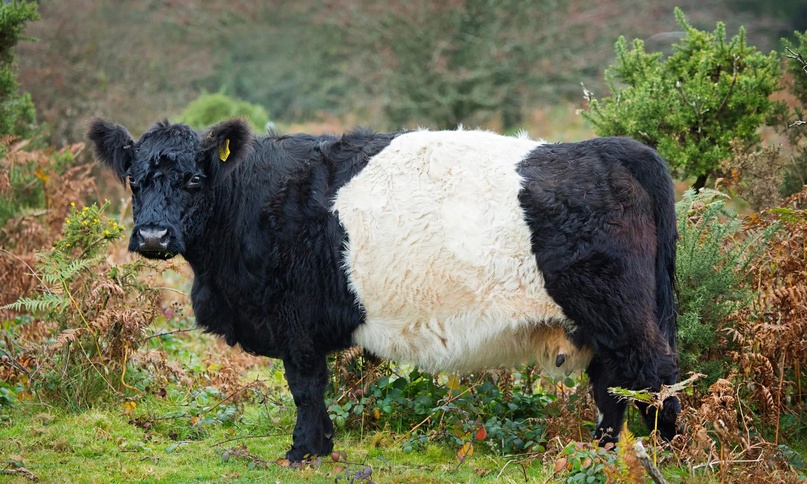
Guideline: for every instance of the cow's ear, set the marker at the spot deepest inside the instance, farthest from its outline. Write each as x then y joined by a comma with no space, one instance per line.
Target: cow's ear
224,145
112,145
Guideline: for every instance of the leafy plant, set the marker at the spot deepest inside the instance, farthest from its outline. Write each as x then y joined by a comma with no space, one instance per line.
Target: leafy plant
493,408
712,269
94,312
691,105
587,462
793,122
17,116
209,109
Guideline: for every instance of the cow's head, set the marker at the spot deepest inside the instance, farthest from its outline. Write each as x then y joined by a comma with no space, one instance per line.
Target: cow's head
172,171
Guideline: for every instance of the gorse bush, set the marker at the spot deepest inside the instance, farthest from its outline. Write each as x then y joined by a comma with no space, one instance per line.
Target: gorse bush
691,105
17,116
712,269
90,314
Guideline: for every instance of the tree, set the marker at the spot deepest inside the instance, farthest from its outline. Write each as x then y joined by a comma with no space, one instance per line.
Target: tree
17,115
692,105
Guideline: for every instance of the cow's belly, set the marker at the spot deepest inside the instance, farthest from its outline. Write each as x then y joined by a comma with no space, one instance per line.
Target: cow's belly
439,256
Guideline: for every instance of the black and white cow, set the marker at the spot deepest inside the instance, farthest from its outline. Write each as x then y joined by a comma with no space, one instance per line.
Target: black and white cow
451,250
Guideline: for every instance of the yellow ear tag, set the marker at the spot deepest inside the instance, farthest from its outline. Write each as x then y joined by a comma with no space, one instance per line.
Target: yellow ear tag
224,151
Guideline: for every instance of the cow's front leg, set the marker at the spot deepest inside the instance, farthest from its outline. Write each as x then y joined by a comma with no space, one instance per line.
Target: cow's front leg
313,432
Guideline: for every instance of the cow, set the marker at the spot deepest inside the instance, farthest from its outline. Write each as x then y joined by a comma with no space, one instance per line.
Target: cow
450,250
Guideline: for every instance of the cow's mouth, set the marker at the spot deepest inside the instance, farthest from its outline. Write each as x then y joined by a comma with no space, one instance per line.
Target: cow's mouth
159,255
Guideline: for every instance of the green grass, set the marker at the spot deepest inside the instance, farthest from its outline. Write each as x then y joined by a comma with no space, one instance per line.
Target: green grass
160,441
102,445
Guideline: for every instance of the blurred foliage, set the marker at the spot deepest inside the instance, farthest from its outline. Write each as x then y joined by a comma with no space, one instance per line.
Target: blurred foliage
443,63
793,121
134,62
209,109
29,183
479,62
17,115
693,104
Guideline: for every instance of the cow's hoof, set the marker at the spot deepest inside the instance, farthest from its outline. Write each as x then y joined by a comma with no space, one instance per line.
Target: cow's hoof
298,454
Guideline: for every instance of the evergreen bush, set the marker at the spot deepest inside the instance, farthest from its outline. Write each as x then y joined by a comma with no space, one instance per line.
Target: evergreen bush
17,116
691,105
209,109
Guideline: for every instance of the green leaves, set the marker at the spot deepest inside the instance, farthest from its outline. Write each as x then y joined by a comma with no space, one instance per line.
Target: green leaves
692,104
17,114
209,109
713,262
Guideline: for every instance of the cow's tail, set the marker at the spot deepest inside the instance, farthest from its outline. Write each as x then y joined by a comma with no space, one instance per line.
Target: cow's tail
652,173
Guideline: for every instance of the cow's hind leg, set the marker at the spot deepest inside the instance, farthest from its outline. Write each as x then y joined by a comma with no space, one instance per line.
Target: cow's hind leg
611,411
313,431
634,367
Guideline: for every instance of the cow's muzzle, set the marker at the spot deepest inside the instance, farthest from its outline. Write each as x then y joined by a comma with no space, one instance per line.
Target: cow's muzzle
152,239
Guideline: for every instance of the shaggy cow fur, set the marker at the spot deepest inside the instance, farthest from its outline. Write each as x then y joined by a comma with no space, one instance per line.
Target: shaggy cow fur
451,250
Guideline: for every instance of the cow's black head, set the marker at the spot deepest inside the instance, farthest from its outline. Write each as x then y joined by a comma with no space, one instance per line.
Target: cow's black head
172,171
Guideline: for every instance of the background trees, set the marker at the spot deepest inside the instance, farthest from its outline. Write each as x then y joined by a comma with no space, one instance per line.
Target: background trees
489,62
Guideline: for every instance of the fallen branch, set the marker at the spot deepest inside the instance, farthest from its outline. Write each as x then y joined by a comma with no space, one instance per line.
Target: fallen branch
22,471
651,469
721,462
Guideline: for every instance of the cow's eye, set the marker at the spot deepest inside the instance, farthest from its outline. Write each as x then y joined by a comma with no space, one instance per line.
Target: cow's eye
133,184
195,181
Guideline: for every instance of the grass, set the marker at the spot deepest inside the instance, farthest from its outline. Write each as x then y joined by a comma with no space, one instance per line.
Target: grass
226,417
106,444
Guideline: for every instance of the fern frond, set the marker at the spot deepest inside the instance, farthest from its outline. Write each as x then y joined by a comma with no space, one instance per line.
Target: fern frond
39,305
56,273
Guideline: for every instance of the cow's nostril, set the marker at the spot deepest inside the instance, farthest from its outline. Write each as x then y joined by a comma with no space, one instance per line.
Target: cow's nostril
153,239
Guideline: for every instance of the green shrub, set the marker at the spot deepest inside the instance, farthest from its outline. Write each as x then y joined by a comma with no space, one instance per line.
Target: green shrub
793,121
713,260
209,109
691,105
17,115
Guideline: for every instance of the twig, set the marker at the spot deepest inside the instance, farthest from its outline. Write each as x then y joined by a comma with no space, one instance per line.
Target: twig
229,397
779,396
797,57
651,469
158,335
521,466
429,417
721,462
22,471
15,363
123,372
731,87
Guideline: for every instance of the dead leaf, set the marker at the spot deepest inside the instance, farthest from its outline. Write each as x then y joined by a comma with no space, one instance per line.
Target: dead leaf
467,450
